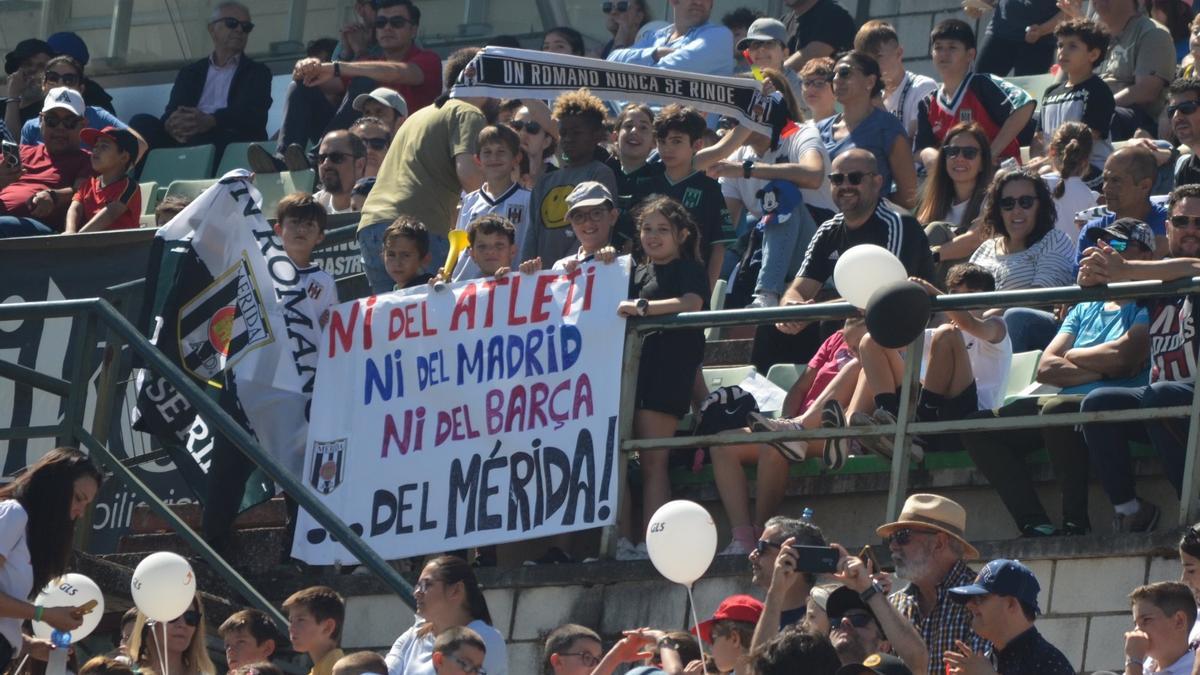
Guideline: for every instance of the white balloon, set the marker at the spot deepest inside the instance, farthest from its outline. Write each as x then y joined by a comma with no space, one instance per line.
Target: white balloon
163,586
70,590
862,270
681,541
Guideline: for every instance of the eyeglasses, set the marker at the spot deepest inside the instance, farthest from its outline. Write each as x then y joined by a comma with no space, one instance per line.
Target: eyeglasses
1118,245
762,545
531,126
621,6
595,215
1186,107
376,143
1183,221
393,21
854,177
968,152
904,536
68,79
1024,201
815,82
856,620
70,123
190,617
588,660
468,667
232,24
333,157
752,45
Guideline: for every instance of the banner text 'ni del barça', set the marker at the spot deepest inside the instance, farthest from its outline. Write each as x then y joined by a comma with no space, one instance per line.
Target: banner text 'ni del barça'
479,414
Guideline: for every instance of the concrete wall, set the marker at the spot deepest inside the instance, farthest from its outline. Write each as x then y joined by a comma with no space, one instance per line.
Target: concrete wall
913,20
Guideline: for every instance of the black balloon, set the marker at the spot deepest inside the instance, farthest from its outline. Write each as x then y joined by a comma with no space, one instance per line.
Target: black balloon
897,313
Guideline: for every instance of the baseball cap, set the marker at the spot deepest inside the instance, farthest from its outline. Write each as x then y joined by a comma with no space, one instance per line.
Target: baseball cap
64,98
764,29
844,599
588,193
24,50
389,97
1003,577
876,664
1130,229
742,608
363,186
123,138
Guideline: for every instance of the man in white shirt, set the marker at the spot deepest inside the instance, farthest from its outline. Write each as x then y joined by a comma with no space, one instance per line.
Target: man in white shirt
902,90
341,161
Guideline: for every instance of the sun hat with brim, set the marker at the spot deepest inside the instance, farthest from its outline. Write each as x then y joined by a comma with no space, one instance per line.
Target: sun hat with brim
24,50
122,138
932,512
876,664
588,193
762,30
743,608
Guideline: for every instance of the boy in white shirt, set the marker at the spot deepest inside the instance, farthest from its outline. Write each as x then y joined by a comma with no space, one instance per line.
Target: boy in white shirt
902,90
499,156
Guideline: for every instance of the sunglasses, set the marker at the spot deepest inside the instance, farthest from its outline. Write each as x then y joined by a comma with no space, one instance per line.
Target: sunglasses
1024,201
904,536
1187,108
393,21
588,660
856,620
1118,245
1184,221
72,122
621,6
843,72
376,143
952,151
68,79
531,126
762,545
854,177
333,157
232,24
190,617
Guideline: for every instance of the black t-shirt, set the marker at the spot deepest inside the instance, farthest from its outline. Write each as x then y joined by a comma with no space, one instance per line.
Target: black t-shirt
629,185
1090,102
1187,172
898,233
663,282
702,197
825,22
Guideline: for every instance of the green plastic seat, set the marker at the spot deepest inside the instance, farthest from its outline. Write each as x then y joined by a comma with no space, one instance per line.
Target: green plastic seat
275,186
235,156
164,165
716,303
149,193
1034,85
1022,372
189,189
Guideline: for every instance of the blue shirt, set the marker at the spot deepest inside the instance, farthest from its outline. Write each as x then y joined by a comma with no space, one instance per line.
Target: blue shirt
707,48
1156,219
1093,324
876,133
97,118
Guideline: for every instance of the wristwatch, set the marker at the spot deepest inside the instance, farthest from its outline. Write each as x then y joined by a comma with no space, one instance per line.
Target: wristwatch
747,167
642,305
872,590
668,643
337,68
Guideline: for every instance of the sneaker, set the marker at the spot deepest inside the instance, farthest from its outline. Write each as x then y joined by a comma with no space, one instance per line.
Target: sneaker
1144,520
915,449
872,444
626,550
736,547
1036,531
793,451
262,161
1072,530
764,299
553,556
295,159
836,449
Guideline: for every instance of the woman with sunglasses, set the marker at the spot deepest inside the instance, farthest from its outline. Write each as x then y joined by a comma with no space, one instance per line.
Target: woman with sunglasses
857,82
185,646
64,71
539,139
623,19
1026,251
447,595
38,511
953,195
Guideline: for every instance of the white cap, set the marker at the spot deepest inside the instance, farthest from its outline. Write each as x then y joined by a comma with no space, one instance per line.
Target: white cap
65,98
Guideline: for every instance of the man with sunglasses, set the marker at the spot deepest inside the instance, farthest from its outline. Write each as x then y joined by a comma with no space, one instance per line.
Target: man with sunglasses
773,569
65,71
690,44
1183,112
35,195
853,628
622,19
341,161
1174,347
220,99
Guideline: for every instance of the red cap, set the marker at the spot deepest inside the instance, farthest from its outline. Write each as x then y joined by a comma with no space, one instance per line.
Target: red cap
734,608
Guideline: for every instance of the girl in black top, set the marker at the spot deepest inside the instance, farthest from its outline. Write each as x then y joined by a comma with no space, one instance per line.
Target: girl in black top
668,281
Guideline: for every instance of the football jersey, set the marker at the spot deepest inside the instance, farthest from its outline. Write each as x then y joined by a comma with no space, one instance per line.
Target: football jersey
981,98
513,205
701,196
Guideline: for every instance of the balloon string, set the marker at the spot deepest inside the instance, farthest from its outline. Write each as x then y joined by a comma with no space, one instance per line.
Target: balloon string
695,623
158,646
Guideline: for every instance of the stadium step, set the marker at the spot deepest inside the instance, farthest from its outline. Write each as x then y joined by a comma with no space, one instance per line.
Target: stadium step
253,551
271,513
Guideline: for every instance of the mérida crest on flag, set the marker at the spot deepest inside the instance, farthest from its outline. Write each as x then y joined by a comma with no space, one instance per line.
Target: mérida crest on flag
224,300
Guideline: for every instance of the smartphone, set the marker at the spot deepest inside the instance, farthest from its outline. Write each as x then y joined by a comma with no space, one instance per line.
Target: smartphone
880,558
12,155
816,559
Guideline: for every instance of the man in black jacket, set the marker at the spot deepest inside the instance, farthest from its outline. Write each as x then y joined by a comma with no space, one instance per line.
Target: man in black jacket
219,99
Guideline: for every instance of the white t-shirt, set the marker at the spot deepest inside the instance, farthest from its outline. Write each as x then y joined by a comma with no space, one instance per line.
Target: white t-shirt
1077,197
16,574
1048,263
1181,667
413,654
513,204
789,152
990,362
903,102
326,199
955,214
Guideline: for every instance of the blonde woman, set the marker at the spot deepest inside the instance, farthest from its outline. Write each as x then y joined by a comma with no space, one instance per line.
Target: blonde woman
185,644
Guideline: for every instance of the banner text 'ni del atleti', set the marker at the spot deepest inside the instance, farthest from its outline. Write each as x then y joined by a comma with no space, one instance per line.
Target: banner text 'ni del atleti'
478,414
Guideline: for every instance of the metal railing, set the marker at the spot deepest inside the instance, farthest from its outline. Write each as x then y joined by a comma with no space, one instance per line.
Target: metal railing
905,428
96,319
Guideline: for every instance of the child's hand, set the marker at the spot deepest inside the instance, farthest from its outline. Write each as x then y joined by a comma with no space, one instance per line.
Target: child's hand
531,266
627,308
606,255
42,204
502,272
929,288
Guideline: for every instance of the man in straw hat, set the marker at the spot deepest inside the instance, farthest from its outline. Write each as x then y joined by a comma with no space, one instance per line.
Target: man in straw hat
929,550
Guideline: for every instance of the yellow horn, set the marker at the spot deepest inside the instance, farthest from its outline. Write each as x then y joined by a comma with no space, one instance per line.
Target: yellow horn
458,244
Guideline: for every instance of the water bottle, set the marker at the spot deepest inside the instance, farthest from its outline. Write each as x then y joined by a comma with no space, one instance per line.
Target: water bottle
806,515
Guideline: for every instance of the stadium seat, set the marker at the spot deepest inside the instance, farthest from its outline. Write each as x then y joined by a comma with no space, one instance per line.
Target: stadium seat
724,376
164,165
189,189
784,375
147,220
275,186
149,192
1034,85
716,303
1021,373
235,156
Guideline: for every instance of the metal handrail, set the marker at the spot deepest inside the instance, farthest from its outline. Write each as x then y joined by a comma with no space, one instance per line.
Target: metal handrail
98,312
904,428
